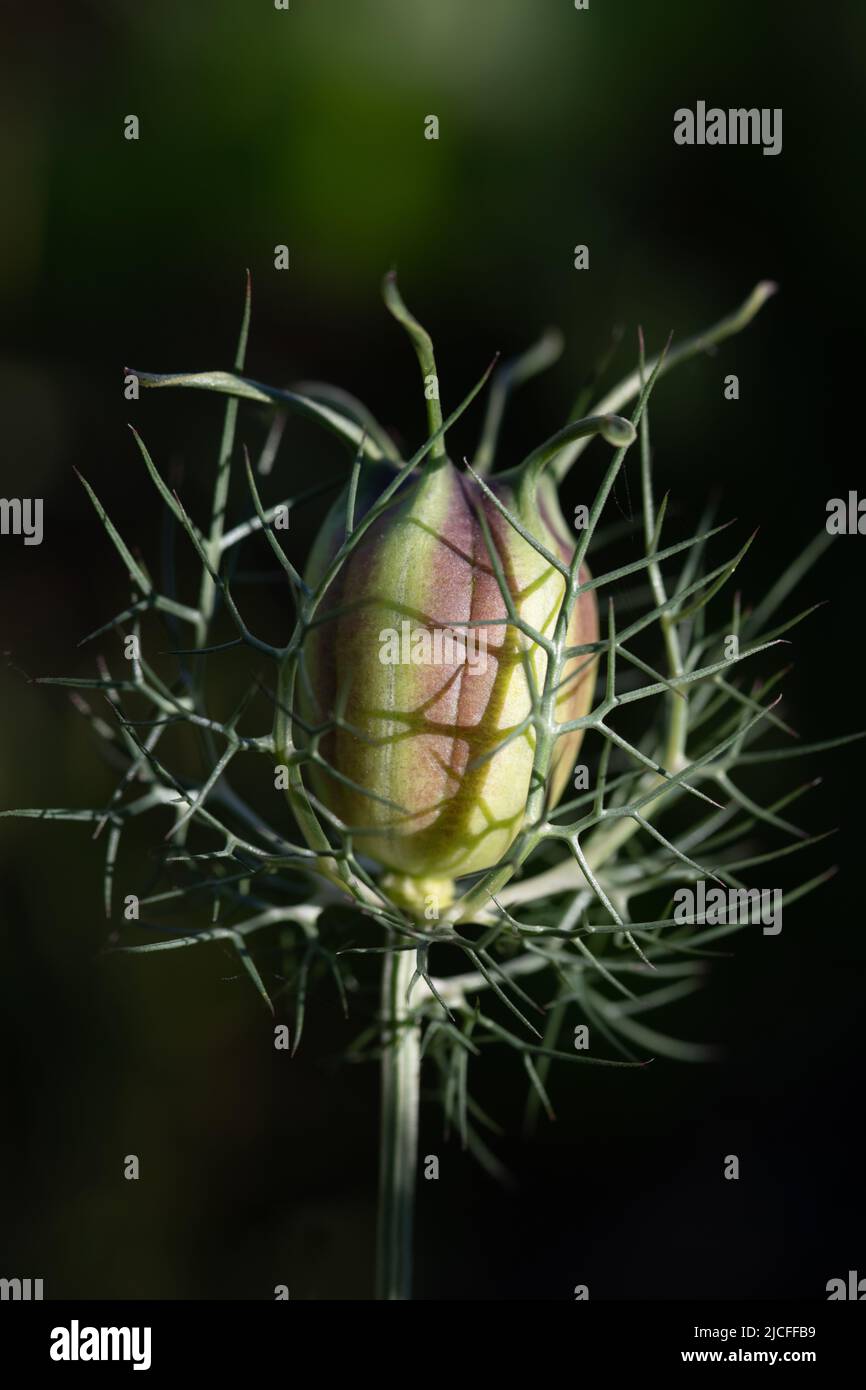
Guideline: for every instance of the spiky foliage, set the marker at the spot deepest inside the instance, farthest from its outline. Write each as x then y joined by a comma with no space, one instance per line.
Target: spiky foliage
575,925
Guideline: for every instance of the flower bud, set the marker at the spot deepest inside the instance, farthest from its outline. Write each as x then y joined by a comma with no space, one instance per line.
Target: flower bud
424,678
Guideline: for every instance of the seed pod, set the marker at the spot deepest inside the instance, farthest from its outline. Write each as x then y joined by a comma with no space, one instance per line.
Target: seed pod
430,686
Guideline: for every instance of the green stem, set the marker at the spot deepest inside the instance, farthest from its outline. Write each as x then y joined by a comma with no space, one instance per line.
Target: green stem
423,345
207,591
398,1152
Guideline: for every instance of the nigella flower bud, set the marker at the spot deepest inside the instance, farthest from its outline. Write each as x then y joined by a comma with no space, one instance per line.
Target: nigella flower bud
423,679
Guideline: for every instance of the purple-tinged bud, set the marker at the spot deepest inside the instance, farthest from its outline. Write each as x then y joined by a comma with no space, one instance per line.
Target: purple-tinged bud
424,678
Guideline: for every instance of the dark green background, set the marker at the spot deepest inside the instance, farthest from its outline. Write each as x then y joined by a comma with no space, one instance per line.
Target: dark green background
260,127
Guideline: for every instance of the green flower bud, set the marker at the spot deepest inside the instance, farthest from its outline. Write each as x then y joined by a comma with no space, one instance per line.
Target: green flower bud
424,677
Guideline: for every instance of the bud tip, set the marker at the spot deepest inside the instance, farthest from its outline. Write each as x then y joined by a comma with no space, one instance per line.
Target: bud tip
618,431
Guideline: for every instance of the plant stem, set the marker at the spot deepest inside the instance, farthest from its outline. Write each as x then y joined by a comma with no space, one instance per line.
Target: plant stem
423,345
398,1151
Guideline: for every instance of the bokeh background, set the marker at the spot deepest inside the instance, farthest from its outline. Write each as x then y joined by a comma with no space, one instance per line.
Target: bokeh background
305,127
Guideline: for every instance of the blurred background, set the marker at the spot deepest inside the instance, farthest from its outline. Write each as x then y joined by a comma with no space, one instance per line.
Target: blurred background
260,127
